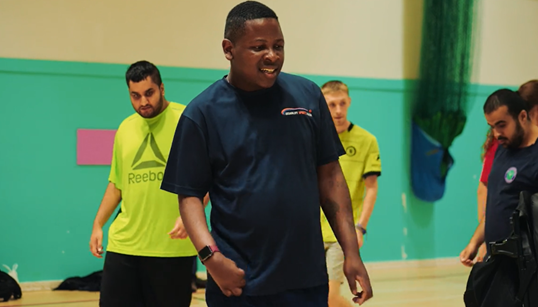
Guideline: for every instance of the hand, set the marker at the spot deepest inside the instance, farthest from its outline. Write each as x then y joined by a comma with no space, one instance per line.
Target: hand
96,240
468,254
482,251
179,231
226,274
355,270
360,238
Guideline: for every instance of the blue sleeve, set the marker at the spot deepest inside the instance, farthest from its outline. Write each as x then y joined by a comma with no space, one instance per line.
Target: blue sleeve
329,146
188,170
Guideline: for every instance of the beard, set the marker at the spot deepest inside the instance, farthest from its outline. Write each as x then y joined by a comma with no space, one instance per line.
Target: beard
153,111
516,140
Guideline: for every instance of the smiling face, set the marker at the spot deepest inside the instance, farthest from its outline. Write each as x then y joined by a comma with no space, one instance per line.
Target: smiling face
256,56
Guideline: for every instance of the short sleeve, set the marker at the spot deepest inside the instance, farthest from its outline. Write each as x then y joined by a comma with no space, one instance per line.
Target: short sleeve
486,169
115,165
488,163
329,146
372,165
188,170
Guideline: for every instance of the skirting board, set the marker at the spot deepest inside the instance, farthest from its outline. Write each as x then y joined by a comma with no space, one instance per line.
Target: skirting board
438,262
51,284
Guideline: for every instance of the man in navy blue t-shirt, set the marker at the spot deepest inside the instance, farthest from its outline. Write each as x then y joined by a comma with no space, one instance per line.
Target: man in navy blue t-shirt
263,144
515,167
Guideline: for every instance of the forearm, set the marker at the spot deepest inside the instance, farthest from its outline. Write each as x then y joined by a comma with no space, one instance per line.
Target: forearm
368,206
479,234
110,201
336,204
194,219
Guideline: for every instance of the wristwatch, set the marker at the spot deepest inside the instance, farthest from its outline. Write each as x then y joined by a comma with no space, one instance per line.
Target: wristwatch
206,252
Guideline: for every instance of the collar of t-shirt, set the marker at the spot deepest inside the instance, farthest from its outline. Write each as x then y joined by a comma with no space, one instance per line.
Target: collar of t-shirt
155,120
250,95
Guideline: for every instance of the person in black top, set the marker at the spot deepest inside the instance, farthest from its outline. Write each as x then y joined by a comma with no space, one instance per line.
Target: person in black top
263,143
515,167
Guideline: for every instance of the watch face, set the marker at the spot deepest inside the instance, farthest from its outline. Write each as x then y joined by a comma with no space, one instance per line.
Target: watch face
204,253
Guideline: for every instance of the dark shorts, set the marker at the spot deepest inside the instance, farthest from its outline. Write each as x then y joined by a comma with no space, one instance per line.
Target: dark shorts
311,297
135,281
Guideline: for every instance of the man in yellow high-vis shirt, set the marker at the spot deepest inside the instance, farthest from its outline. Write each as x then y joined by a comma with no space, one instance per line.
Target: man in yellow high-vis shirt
149,258
361,166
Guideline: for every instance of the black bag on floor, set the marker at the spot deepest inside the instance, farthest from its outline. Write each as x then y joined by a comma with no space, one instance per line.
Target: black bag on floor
9,288
90,283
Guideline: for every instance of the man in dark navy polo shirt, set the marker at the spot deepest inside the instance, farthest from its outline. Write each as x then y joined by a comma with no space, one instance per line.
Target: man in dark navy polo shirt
263,144
515,167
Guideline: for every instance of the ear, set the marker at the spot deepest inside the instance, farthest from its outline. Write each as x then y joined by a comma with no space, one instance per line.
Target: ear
161,88
523,116
227,47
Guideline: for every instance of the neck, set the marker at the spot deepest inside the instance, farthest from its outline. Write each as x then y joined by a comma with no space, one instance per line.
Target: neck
242,84
156,118
232,80
343,127
229,77
165,104
531,136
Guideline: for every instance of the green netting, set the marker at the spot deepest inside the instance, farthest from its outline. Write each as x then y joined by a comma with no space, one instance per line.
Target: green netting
440,104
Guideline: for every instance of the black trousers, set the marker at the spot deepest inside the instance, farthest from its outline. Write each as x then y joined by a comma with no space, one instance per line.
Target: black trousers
309,297
135,281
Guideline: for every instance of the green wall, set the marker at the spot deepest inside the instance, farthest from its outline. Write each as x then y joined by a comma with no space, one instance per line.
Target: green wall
48,202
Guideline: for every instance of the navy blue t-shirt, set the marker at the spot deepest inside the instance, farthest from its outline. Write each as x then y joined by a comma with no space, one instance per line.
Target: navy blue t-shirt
257,154
513,171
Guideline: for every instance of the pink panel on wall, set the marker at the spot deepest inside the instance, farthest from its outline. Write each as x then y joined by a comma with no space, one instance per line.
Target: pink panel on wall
94,146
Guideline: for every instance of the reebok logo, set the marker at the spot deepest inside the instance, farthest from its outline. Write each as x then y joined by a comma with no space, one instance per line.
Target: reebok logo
145,177
141,162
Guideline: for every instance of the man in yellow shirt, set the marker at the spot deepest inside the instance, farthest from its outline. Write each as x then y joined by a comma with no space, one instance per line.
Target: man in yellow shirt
144,265
361,166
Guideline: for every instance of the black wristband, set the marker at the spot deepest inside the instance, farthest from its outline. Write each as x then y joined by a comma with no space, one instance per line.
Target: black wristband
362,229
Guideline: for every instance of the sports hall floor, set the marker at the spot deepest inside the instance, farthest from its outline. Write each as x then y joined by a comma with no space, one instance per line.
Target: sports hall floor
438,283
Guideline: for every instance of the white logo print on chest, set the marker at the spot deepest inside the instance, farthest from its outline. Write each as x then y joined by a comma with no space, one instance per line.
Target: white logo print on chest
296,111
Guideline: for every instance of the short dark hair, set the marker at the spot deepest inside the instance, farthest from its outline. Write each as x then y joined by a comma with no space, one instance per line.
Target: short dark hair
141,70
241,13
508,98
529,92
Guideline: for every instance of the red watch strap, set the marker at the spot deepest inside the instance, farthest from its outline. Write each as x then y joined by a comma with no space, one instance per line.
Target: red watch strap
214,248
